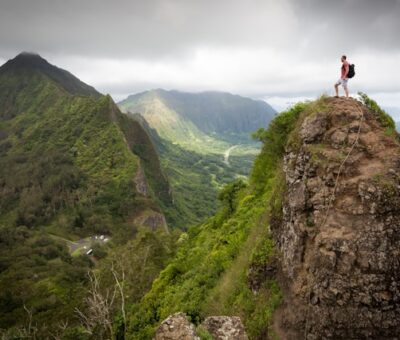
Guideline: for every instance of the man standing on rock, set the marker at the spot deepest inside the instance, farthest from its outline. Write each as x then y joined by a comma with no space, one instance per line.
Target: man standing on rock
343,77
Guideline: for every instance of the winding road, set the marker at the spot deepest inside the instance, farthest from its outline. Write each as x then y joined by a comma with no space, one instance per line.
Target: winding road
228,152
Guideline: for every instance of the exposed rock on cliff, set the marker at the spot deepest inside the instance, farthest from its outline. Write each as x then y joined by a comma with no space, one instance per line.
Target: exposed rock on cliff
177,327
225,328
141,184
340,244
152,219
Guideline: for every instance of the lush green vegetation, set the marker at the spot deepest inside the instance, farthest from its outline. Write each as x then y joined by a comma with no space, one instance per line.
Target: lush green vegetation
190,172
67,168
208,122
191,140
38,275
383,117
211,271
68,159
65,165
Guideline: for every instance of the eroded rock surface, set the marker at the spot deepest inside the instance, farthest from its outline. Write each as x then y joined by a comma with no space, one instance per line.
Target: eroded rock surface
176,327
225,328
141,183
340,248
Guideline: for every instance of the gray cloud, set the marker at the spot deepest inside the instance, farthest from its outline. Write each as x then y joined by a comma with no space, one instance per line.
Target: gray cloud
163,28
252,47
351,24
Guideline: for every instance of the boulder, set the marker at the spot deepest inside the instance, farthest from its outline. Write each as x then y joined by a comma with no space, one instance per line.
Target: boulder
313,128
225,328
176,327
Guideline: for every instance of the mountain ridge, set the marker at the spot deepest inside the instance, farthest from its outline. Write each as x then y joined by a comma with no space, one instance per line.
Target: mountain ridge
29,61
180,116
72,168
269,257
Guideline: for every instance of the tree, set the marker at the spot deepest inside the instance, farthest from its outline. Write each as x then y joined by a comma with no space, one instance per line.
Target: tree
228,194
102,305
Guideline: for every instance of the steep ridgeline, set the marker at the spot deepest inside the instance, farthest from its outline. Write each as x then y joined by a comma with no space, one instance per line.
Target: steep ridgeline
49,118
71,166
29,62
190,172
204,140
339,229
309,248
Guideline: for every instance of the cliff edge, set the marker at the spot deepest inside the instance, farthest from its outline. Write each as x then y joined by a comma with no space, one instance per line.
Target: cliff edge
339,229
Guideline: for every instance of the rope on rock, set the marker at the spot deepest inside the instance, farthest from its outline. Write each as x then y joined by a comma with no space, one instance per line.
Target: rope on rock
331,198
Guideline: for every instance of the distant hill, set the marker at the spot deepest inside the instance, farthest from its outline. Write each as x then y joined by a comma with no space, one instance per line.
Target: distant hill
398,126
204,141
200,120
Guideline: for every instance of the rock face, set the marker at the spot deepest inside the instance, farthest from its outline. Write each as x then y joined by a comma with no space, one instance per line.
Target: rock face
340,246
225,328
141,183
176,327
151,219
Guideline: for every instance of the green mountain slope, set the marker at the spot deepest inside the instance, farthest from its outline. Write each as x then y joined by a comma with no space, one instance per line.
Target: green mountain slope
231,265
194,178
69,165
203,122
204,141
221,263
30,63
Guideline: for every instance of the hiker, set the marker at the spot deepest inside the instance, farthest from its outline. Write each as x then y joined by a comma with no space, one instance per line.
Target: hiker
343,77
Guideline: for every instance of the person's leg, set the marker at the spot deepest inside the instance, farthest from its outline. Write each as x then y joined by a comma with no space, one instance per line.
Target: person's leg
346,90
337,89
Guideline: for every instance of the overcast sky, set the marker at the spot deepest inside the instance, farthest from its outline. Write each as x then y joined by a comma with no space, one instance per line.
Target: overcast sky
280,51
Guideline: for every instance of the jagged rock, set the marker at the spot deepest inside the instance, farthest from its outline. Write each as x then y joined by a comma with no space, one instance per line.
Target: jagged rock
141,183
298,196
340,251
176,327
338,137
152,219
156,221
225,328
313,127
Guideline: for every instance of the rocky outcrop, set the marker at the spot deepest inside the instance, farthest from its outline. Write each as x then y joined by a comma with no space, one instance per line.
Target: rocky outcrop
141,183
225,328
340,239
155,221
177,327
151,219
